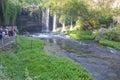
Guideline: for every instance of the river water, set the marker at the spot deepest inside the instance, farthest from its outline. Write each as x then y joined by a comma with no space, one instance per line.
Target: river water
102,62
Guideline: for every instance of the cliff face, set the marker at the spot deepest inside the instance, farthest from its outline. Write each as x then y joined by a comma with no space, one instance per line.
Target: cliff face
27,23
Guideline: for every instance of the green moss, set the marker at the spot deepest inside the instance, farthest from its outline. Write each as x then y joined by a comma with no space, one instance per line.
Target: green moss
36,64
79,34
110,43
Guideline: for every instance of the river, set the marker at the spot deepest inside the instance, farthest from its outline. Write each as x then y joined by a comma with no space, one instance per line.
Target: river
103,63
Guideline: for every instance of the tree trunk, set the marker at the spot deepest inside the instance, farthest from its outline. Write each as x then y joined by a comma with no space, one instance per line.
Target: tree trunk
3,7
1,12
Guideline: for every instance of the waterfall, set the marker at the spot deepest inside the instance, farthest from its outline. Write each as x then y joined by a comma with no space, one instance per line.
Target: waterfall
63,26
71,25
54,22
45,20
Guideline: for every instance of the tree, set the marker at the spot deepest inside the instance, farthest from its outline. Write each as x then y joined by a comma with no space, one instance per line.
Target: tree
1,12
9,11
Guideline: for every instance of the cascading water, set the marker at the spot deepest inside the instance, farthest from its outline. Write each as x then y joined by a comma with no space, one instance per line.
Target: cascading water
63,27
54,22
45,20
71,25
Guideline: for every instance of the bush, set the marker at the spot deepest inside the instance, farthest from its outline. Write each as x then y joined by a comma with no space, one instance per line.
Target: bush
99,34
110,34
105,21
78,25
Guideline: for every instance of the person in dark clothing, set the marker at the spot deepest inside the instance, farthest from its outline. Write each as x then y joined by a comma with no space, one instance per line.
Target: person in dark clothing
0,33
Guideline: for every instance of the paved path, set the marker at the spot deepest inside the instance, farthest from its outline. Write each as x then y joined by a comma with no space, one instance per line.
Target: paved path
6,41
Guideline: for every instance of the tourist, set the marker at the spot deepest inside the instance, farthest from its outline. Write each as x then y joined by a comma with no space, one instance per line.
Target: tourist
0,33
15,28
3,33
6,30
15,31
10,31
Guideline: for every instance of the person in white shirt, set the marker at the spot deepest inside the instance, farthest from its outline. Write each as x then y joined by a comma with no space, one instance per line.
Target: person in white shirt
6,30
3,33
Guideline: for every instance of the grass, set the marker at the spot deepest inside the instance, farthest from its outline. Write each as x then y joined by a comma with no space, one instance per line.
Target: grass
87,35
110,43
81,35
27,64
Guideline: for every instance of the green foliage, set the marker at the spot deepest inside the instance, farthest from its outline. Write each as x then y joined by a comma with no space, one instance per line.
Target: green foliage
10,12
32,1
116,11
78,25
79,11
37,65
105,20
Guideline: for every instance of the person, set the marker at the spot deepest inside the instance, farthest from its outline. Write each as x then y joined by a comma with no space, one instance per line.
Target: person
0,33
15,31
10,31
3,33
6,30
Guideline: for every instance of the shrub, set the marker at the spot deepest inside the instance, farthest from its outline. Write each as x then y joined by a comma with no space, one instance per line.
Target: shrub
105,21
78,25
99,34
110,34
